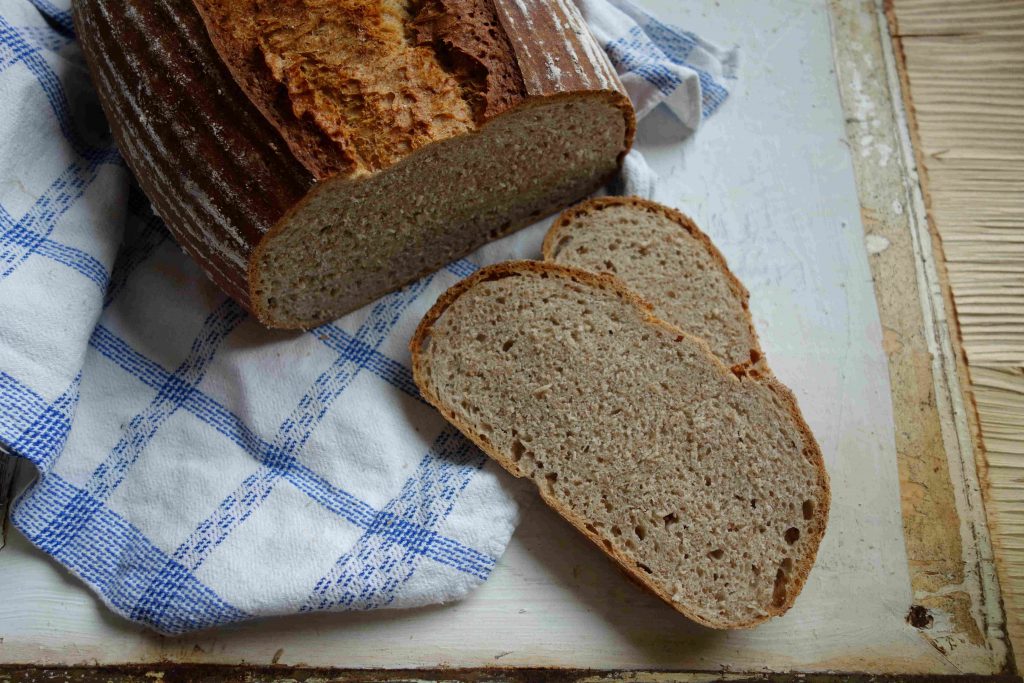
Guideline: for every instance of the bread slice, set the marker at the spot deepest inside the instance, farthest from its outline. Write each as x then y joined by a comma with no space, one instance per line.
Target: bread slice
665,258
704,484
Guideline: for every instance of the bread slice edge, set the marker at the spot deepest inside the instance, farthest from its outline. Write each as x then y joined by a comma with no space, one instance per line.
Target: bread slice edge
549,250
811,449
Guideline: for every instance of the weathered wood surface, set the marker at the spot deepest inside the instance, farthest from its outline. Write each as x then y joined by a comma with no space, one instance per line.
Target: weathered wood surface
964,67
772,179
170,673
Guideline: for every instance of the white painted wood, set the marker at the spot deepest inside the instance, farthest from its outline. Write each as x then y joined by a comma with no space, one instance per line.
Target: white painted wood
770,179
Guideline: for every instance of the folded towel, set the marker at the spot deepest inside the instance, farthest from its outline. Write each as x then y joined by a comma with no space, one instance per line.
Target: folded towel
193,468
659,63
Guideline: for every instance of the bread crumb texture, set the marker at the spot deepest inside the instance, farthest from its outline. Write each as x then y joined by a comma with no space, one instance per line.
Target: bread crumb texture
705,485
434,206
663,256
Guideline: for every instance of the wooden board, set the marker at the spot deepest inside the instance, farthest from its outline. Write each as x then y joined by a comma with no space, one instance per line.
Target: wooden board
963,65
774,178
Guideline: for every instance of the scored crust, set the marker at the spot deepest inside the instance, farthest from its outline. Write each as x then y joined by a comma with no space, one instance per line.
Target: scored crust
811,449
571,215
223,170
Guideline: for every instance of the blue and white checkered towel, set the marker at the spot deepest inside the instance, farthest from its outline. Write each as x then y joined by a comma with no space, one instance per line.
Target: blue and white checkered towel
195,469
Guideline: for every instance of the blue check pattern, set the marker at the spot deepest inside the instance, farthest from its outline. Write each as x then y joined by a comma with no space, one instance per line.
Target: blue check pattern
194,469
665,56
647,52
80,508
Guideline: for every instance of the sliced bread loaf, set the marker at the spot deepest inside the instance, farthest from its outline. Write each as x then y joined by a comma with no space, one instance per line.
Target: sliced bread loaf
704,484
312,156
665,258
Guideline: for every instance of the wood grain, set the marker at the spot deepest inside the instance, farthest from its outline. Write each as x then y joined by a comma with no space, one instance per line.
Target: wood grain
964,64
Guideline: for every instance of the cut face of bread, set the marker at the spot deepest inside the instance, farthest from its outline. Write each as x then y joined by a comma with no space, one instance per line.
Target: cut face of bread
705,485
440,202
664,257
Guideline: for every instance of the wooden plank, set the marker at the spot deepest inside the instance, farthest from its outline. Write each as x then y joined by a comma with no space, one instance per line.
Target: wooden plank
169,673
952,574
964,65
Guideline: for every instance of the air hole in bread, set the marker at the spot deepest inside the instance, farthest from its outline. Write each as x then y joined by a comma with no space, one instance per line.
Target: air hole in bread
640,531
808,509
517,450
792,535
716,554
780,591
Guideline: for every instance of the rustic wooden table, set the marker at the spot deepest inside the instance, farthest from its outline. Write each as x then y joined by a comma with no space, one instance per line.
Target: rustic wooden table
964,79
808,181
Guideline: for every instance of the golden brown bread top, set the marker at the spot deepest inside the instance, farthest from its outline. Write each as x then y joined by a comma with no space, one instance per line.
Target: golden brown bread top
356,85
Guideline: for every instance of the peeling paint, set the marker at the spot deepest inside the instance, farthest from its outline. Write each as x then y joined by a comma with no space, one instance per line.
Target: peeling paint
876,244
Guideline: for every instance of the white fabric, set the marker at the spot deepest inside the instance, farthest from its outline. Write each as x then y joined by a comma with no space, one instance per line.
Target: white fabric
659,63
195,469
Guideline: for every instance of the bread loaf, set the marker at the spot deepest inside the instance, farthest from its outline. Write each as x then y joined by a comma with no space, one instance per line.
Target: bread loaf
665,258
704,484
312,155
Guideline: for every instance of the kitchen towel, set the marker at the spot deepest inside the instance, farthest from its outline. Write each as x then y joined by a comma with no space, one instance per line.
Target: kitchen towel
191,467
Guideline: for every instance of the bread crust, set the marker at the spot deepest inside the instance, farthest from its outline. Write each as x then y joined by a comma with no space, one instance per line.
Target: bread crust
757,364
608,282
222,171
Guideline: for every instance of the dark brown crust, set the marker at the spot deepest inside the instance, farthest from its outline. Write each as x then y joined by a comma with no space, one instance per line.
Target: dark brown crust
516,268
186,130
310,146
758,364
551,44
216,168
468,34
